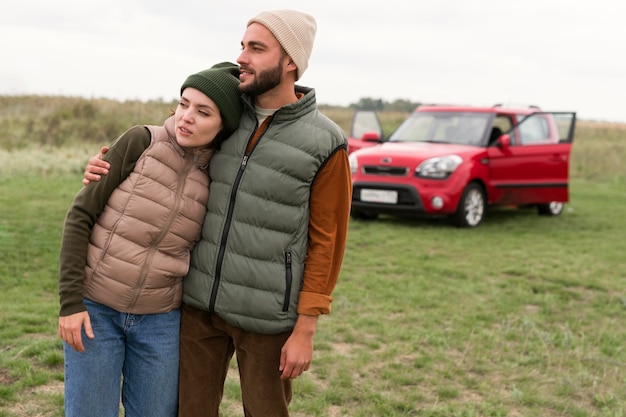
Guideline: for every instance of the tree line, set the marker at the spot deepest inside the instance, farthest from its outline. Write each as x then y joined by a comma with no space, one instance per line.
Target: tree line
378,104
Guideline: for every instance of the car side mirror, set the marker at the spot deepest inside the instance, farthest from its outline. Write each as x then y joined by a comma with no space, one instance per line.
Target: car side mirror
370,137
504,141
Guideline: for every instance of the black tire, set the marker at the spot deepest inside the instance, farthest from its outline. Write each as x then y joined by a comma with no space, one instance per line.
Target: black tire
363,215
472,207
551,209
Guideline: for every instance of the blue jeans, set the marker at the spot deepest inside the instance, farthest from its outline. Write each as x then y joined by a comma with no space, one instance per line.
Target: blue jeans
140,352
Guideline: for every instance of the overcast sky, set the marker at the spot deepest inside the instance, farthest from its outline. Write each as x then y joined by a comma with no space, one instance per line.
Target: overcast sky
558,54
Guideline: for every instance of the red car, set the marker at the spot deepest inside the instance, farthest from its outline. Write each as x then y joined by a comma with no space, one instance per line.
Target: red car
456,161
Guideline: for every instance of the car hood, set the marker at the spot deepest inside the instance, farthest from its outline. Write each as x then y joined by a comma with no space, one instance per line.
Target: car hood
403,152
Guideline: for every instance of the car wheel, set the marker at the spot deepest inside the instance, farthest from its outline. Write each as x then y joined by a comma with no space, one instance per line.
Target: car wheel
472,206
551,209
363,215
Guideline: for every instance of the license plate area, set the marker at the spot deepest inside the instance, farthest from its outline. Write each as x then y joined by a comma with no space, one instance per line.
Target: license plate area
379,196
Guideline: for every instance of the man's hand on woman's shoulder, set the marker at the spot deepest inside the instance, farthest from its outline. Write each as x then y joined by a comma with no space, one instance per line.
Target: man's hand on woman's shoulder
96,167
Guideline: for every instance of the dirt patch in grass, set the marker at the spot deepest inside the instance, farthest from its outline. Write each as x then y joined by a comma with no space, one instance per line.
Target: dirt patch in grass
5,378
36,401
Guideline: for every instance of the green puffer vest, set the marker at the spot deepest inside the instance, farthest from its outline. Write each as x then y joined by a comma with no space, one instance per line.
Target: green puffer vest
249,264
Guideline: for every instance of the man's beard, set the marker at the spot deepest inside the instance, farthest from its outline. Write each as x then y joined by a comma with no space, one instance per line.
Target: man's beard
264,81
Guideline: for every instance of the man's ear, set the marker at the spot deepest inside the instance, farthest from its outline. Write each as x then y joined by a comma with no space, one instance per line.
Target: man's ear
291,66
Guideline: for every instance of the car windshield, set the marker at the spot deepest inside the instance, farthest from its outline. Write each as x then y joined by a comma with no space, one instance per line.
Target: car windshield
466,128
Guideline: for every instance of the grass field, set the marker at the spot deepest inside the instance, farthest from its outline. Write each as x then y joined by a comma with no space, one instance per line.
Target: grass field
523,316
520,317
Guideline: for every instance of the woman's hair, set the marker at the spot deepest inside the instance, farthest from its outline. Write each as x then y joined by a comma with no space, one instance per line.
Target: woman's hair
221,136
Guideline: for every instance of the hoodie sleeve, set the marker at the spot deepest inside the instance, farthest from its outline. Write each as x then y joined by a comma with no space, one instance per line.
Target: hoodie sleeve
83,213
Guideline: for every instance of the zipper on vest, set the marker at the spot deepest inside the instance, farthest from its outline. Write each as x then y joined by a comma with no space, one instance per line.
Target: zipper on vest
225,231
229,216
288,281
165,229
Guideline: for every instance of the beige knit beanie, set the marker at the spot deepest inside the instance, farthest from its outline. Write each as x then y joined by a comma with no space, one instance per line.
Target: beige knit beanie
295,31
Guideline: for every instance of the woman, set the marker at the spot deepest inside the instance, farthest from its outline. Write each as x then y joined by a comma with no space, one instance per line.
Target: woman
125,250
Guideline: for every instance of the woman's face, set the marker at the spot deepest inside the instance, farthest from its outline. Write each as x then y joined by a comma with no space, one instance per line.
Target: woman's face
197,119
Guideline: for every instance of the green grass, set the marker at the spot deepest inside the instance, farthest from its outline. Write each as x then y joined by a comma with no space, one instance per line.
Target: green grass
31,359
522,316
519,317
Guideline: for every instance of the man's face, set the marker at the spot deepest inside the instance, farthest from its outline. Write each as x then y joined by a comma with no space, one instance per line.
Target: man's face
262,61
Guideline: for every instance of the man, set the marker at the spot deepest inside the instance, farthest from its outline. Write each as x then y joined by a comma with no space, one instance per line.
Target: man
279,198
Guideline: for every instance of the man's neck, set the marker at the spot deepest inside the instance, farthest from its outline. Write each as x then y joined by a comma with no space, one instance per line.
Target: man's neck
279,96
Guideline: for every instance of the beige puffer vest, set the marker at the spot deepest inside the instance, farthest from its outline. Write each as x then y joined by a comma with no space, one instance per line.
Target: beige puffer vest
139,248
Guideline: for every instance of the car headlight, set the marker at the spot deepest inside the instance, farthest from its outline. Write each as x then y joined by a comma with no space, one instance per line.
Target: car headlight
438,168
354,163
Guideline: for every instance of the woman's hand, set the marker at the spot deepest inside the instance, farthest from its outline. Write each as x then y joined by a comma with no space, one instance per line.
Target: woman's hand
70,329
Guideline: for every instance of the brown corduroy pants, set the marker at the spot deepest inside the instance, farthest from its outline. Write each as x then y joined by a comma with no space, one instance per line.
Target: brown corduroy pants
207,344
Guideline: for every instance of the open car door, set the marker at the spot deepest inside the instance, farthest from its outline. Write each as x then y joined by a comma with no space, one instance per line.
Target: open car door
365,130
529,164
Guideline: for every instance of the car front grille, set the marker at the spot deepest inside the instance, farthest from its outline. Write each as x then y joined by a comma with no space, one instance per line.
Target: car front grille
385,170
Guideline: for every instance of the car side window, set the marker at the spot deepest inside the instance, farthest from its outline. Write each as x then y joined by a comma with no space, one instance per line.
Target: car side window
534,131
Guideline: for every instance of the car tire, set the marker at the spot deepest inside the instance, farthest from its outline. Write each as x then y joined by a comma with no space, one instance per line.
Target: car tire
553,208
363,215
472,207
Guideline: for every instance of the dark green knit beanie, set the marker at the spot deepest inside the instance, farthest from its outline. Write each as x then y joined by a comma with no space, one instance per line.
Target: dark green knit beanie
221,84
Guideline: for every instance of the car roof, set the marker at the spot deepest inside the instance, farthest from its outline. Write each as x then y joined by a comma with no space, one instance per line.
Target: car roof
476,109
